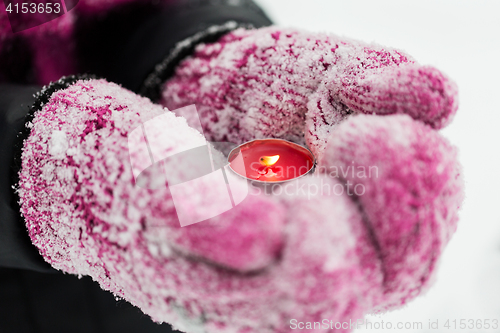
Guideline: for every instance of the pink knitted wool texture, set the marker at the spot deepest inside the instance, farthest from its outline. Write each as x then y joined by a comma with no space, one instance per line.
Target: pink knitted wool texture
363,234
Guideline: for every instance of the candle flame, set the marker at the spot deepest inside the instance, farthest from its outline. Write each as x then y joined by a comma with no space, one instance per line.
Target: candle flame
269,160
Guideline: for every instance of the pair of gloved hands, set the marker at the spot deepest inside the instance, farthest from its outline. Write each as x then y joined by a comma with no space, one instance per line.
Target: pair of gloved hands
271,259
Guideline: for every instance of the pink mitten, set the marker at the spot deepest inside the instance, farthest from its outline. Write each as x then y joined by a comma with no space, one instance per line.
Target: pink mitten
76,171
407,183
307,255
275,82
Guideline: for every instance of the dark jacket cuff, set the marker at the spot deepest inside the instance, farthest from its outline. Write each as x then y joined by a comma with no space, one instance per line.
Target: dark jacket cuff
152,53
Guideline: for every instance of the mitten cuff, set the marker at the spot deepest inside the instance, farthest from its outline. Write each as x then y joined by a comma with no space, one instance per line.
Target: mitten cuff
18,105
151,55
38,100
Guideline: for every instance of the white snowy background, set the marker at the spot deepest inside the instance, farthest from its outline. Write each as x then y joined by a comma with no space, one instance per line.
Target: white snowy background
462,38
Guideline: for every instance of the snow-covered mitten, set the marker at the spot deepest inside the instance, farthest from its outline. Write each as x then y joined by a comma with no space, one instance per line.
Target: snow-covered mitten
286,83
407,183
76,148
267,264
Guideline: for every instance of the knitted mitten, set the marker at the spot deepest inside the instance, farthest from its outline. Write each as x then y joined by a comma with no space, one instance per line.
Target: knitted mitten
270,262
407,183
76,167
275,82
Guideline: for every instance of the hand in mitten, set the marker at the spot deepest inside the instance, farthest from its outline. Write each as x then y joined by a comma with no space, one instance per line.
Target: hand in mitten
78,153
275,82
257,267
407,183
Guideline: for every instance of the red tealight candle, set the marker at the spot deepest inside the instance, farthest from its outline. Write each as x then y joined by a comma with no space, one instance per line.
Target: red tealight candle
271,160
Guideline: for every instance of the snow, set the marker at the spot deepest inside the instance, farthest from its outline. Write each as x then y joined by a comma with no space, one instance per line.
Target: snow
460,38
58,144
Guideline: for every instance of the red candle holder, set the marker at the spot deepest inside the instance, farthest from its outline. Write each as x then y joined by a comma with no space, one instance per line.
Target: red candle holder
271,161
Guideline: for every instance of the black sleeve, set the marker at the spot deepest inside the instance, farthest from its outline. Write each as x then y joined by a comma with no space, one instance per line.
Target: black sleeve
140,49
16,249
